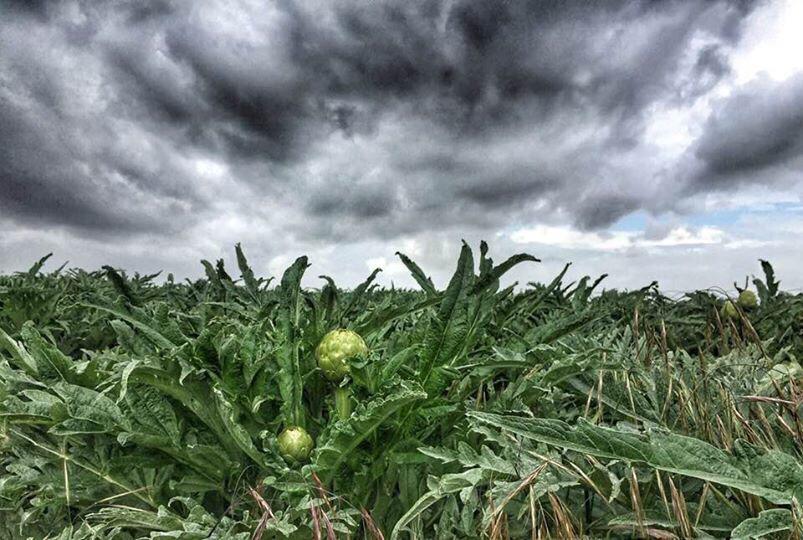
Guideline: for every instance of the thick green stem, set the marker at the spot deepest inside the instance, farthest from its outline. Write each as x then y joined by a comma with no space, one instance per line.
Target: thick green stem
343,402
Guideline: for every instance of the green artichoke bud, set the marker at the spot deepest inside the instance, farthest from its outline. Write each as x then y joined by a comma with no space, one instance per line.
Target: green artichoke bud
295,444
747,300
729,310
335,350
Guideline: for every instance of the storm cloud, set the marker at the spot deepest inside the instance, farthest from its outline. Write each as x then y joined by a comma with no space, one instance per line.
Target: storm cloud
328,121
758,128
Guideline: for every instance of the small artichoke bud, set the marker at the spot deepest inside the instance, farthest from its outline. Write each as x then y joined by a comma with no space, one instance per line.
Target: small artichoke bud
295,444
729,310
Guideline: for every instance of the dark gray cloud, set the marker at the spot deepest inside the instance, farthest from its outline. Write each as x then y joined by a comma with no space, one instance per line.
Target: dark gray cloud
36,177
599,211
340,118
758,128
28,7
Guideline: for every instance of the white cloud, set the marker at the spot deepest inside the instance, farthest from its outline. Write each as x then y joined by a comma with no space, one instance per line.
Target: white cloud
568,238
772,42
683,236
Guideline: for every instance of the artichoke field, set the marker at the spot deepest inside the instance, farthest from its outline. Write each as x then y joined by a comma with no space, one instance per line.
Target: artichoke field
133,407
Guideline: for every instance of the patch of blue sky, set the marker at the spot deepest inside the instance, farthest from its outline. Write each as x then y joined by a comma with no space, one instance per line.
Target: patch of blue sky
718,218
637,221
631,222
732,216
788,207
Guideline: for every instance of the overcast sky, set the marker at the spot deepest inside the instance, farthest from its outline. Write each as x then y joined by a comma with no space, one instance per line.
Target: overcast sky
649,140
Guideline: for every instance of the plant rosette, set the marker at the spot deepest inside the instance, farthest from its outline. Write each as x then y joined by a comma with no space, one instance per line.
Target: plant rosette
336,351
295,444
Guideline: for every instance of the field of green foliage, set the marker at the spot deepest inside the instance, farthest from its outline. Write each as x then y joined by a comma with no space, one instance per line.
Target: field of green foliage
137,407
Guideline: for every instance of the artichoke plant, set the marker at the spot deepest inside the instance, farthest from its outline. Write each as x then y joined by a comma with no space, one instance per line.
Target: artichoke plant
334,352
